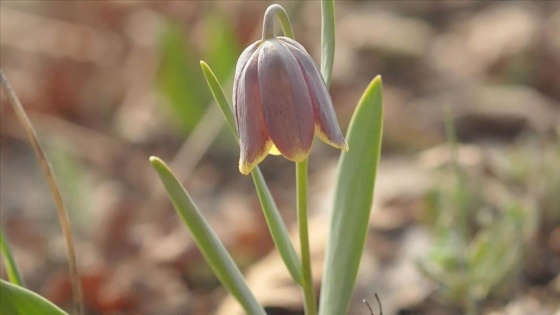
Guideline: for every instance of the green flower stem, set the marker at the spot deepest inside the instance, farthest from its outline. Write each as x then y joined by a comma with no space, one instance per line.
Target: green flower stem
268,22
11,268
307,283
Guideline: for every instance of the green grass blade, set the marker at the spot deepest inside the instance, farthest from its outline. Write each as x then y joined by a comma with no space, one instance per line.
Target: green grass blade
213,250
223,49
327,39
177,78
61,211
276,224
15,300
11,267
349,220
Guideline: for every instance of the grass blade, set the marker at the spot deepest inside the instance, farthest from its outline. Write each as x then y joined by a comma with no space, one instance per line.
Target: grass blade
55,192
327,39
349,220
11,267
213,250
177,78
278,230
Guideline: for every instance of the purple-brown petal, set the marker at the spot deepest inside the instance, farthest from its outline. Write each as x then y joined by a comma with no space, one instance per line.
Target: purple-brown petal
241,64
325,117
253,137
287,108
292,42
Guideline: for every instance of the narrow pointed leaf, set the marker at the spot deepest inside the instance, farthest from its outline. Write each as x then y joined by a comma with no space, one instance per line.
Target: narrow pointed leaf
327,39
278,229
11,267
349,220
213,250
276,225
16,300
219,96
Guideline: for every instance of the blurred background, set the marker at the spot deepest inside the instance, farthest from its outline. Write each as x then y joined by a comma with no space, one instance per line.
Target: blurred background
471,225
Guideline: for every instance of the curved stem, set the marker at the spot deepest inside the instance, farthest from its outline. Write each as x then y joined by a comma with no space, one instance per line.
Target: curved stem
307,281
268,22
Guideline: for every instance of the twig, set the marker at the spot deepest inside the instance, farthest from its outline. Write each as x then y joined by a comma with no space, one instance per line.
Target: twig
378,302
60,209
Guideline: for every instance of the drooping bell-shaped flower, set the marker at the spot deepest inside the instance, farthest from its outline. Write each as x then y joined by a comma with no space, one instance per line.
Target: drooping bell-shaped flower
280,101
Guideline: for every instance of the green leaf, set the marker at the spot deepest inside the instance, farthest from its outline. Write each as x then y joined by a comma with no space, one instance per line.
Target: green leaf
11,267
349,220
15,300
327,39
222,50
500,244
178,79
278,230
213,250
276,224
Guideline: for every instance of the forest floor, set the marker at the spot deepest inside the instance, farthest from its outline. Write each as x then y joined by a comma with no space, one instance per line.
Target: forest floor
456,226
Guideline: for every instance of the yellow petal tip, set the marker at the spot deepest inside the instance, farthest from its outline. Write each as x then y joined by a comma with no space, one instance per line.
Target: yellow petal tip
246,168
274,150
